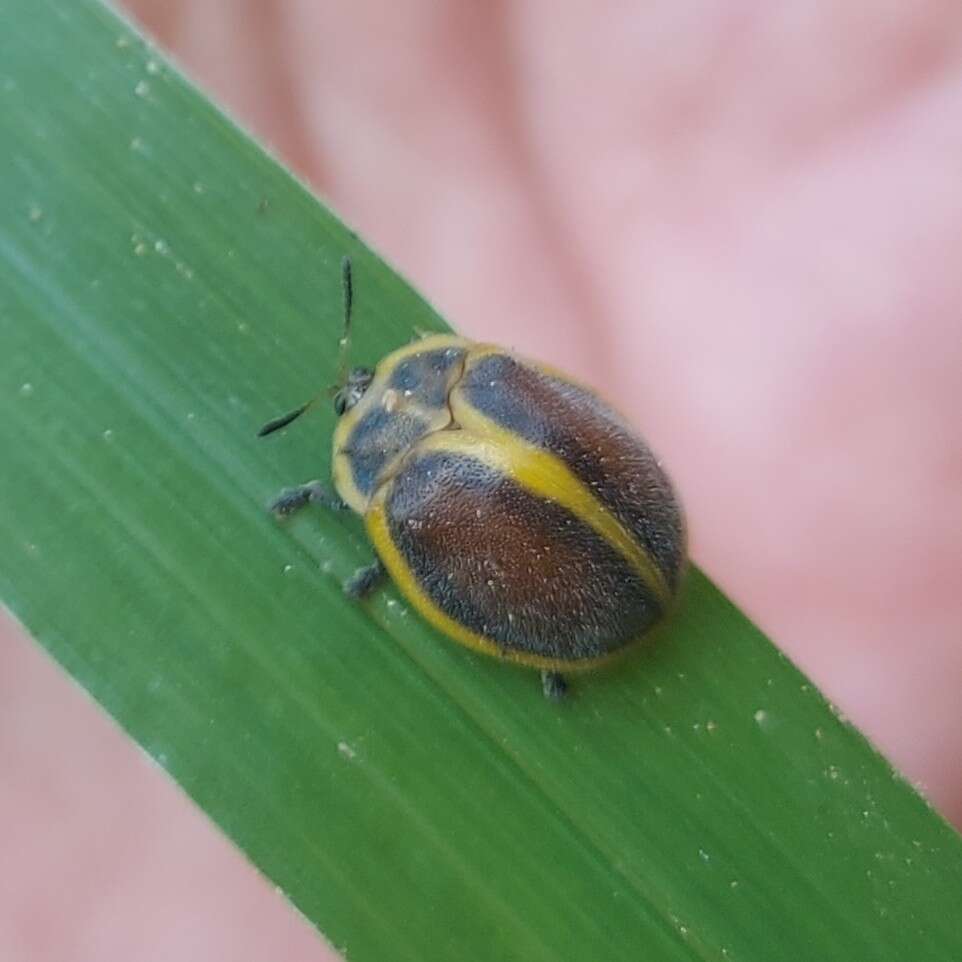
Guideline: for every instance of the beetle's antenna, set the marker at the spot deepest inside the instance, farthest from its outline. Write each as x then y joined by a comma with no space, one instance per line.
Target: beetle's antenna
283,420
347,288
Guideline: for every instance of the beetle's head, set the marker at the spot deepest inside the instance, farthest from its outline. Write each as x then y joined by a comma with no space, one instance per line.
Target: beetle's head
352,390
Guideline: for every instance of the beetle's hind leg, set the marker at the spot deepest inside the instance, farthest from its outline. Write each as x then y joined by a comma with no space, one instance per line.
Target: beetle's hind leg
553,685
365,580
293,499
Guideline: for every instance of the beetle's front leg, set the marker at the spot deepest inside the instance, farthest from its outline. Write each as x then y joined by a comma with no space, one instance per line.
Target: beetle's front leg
365,580
293,499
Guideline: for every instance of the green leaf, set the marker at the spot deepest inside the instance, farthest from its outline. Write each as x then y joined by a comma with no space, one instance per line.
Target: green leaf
165,288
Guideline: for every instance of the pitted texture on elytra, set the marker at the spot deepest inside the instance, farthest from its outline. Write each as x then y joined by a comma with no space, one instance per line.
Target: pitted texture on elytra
510,566
592,440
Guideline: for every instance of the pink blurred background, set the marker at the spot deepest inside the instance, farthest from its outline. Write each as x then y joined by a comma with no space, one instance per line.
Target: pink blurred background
742,220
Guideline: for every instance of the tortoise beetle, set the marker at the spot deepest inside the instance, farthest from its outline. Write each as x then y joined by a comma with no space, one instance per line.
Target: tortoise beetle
512,507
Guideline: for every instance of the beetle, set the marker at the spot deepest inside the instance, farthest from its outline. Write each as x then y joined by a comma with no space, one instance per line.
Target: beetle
511,506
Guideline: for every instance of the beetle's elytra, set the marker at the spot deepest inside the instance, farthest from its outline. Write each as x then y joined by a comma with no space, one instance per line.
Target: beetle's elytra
511,506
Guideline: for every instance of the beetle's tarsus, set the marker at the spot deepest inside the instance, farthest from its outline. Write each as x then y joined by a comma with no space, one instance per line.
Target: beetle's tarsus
553,685
293,499
365,580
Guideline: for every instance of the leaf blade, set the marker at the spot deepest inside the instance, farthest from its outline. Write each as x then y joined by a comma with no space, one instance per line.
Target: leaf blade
164,290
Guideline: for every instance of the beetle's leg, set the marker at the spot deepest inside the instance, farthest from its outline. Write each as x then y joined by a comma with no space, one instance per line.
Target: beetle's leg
291,499
365,580
553,685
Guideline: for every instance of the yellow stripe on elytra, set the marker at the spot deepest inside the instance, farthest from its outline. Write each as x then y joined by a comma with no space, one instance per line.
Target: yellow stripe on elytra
547,476
379,532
